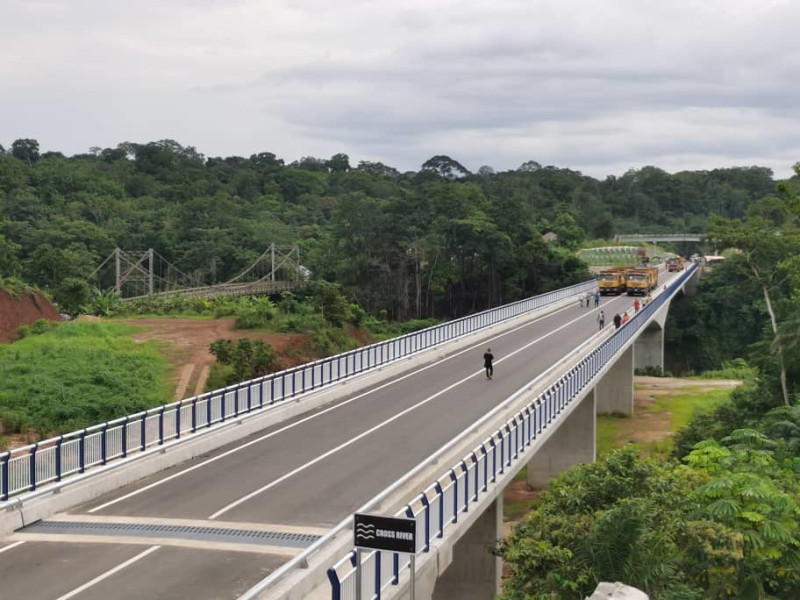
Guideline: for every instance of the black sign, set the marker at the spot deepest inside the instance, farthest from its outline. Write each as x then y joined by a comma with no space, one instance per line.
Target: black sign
373,532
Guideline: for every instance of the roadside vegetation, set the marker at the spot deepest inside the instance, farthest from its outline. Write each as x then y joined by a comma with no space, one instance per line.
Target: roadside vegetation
714,516
718,517
63,378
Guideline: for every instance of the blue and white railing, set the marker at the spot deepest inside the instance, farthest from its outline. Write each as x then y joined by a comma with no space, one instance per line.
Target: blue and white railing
441,504
28,468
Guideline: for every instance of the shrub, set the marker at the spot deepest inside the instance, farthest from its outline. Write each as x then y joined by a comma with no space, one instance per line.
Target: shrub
245,359
219,376
652,371
734,369
256,316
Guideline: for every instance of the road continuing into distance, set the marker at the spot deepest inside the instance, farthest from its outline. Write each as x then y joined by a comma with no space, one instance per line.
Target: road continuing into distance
213,527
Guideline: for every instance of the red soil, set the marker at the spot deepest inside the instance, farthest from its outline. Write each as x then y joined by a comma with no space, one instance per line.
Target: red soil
24,309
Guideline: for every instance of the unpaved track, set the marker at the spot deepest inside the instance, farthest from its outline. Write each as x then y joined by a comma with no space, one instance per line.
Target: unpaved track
186,343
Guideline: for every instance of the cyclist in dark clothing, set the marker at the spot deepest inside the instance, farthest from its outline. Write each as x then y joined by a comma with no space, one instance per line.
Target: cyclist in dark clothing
488,357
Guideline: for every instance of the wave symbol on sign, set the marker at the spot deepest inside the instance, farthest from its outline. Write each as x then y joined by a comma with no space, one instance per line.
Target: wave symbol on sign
365,532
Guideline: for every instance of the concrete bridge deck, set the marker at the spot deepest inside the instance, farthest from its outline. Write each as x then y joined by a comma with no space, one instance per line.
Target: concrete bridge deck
213,527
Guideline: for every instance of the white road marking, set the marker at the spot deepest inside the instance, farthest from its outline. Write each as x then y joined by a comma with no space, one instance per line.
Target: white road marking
381,425
10,546
107,574
320,413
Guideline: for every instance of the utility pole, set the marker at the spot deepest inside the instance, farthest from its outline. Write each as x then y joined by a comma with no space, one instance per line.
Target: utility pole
272,272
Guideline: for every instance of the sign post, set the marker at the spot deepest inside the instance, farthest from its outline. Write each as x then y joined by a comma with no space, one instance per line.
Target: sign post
392,534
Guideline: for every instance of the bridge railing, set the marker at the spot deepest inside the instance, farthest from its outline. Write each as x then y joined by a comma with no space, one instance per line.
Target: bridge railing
461,488
27,468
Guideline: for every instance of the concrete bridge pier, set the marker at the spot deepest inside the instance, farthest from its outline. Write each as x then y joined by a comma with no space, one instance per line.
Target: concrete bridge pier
648,349
690,287
474,573
614,392
572,444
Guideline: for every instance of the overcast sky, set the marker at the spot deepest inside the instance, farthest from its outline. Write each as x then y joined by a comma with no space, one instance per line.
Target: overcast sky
600,86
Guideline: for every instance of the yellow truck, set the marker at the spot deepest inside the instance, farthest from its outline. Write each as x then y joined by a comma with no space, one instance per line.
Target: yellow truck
641,281
611,281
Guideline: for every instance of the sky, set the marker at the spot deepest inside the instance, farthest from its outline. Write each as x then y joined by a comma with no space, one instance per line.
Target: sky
599,86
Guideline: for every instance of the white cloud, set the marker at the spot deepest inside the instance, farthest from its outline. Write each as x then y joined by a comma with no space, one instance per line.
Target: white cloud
594,86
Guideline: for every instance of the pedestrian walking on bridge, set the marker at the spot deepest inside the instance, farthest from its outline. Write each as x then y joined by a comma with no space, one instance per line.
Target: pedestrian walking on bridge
617,320
596,299
488,357
601,319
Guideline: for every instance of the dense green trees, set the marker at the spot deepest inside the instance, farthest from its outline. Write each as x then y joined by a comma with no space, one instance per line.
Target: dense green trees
722,519
724,525
438,242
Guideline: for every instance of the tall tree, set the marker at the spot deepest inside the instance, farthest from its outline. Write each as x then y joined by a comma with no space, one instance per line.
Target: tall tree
767,238
25,149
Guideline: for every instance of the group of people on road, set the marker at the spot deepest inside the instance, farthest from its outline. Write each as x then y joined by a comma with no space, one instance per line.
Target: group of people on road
586,299
620,318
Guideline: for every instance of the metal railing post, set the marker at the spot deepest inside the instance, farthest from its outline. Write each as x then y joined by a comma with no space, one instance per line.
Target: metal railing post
58,457
103,441
4,475
32,467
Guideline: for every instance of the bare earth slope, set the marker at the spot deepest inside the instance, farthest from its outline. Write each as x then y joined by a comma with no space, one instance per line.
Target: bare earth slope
186,343
24,309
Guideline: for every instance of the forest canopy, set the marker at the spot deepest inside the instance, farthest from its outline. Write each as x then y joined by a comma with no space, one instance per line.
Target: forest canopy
439,242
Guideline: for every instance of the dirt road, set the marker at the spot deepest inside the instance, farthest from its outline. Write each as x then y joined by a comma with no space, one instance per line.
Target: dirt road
186,341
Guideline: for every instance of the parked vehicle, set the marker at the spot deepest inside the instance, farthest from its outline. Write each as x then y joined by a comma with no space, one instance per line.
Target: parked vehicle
612,281
675,263
641,281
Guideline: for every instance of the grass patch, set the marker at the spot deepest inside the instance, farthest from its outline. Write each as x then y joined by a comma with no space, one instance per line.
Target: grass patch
615,431
682,407
78,375
608,432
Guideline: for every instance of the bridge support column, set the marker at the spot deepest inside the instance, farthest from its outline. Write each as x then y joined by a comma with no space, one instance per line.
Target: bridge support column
572,443
690,287
648,350
475,572
614,392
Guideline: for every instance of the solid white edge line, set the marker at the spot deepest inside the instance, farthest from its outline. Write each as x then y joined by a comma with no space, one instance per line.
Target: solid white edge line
314,416
108,573
373,429
10,546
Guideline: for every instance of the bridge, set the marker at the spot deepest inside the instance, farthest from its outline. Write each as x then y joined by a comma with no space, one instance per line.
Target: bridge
249,491
145,273
654,238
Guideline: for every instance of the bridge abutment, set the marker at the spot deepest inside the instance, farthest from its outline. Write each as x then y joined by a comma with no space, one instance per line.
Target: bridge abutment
614,392
574,443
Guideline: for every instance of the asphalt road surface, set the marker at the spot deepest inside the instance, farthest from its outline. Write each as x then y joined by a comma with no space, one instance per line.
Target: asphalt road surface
215,526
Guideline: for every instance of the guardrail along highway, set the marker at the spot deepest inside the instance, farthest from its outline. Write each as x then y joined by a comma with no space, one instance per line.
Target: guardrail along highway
214,526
